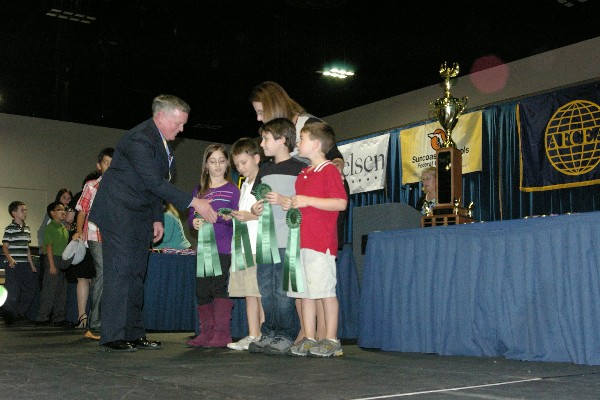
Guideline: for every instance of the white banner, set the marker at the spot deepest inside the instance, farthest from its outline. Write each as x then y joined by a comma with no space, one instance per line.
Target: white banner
365,163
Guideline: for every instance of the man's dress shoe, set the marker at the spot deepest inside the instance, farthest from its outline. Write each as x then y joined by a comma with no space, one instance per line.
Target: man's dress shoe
146,344
118,345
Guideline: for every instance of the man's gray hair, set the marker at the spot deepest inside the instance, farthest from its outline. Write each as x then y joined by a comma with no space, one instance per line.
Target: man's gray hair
167,103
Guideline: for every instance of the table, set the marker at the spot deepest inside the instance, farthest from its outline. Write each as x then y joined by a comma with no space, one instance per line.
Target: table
170,296
170,293
523,289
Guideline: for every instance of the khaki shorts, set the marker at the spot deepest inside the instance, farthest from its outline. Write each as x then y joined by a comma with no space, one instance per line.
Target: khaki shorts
318,273
243,283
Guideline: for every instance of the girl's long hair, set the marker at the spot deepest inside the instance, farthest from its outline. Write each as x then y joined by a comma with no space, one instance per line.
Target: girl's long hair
205,175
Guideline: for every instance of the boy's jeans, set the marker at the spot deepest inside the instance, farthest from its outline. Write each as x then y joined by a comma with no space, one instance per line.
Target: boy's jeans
281,318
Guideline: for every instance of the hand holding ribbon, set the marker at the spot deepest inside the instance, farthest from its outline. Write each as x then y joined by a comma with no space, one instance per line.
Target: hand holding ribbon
266,243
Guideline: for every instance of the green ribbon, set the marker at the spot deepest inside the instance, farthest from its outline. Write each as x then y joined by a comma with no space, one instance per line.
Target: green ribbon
291,264
207,254
241,241
266,243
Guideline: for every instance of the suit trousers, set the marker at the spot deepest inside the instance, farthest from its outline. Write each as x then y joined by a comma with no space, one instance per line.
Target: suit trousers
97,284
125,263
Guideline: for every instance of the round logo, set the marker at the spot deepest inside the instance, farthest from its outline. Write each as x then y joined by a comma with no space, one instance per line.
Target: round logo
572,138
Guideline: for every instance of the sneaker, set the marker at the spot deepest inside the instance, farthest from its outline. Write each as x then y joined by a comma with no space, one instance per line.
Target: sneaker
301,348
326,348
259,346
278,346
243,343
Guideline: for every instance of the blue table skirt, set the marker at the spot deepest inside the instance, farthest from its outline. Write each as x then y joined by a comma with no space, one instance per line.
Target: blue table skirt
170,296
522,289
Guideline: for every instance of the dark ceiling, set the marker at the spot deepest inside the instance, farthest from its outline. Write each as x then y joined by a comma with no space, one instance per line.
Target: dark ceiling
212,53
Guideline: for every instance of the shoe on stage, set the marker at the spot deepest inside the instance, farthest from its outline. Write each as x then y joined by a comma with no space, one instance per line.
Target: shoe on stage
145,344
118,346
90,335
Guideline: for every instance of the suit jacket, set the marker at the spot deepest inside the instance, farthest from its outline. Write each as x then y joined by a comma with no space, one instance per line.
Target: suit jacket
129,198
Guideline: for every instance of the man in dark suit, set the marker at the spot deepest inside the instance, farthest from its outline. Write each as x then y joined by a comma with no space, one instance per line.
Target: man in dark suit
129,213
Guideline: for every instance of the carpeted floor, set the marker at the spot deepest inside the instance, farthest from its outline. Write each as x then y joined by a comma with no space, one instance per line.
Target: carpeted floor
58,363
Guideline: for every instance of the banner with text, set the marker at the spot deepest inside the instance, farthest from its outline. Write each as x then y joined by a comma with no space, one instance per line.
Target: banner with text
560,139
419,144
365,163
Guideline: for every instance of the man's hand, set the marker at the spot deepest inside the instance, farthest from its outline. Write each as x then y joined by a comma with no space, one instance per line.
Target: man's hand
202,207
158,231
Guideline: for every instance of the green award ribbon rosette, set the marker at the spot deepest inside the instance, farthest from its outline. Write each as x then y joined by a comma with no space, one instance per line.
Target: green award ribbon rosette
291,264
207,254
241,250
266,244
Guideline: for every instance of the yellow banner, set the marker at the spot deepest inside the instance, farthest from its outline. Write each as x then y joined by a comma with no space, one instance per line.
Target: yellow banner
418,146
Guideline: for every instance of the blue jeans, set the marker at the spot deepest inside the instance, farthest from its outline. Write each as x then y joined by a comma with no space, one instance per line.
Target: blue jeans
281,318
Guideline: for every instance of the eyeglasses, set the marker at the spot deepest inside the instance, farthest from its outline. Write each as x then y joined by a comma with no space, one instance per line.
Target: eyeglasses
217,162
60,210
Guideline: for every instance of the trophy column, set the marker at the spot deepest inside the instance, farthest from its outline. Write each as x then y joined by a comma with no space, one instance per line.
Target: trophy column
448,209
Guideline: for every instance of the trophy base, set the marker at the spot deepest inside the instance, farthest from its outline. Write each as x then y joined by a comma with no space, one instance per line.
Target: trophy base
444,220
447,209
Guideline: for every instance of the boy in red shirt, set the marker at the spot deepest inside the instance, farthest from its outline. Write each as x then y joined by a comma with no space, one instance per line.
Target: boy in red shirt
320,195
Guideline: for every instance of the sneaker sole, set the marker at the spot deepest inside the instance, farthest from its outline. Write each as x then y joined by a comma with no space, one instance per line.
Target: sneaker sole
334,354
256,350
294,354
271,352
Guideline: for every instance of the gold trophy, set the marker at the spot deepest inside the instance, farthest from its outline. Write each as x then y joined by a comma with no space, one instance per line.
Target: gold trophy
448,209
448,109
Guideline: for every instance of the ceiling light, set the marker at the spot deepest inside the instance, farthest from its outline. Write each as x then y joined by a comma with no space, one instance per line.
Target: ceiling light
71,16
337,73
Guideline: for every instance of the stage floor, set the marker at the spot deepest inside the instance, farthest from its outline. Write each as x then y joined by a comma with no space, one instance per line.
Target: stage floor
57,363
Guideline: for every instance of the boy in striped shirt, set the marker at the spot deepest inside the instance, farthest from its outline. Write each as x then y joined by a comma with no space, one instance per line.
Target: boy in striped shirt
20,271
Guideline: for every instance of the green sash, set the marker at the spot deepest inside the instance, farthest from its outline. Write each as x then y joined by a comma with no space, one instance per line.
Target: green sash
266,243
207,254
291,264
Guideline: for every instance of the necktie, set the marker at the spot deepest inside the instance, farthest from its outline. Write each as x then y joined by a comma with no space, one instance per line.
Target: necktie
169,156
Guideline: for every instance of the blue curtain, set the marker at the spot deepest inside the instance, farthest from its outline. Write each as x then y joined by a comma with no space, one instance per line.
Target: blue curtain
494,190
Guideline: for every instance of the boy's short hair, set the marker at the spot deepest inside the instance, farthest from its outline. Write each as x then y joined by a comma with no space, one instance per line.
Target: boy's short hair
281,128
52,206
14,206
245,145
107,151
322,132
